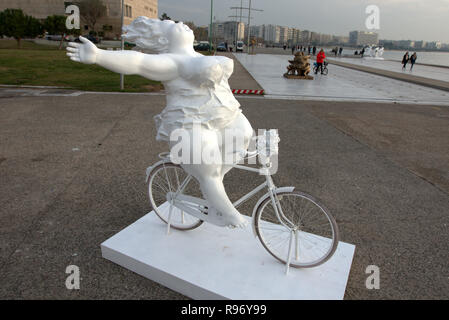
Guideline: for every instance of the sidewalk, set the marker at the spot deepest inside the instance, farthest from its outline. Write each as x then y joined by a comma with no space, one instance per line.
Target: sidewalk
429,72
423,81
341,84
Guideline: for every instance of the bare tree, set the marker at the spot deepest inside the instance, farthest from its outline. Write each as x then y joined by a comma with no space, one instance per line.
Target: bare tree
91,11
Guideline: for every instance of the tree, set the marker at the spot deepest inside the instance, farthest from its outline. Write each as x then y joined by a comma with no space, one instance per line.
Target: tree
165,17
56,25
14,23
91,11
200,33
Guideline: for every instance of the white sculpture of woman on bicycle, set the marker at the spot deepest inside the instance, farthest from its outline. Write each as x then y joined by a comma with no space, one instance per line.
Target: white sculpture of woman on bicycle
197,92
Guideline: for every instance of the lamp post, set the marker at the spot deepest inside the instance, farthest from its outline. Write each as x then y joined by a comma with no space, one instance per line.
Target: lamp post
210,27
249,23
122,76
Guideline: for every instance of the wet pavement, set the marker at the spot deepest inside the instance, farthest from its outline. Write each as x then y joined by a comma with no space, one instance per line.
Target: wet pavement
439,73
341,84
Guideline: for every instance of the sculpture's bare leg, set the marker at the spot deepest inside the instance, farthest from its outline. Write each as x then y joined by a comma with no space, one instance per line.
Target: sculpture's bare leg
221,211
210,175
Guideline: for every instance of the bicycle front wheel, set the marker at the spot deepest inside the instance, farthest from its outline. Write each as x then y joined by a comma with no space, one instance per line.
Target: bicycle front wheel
169,177
325,71
305,228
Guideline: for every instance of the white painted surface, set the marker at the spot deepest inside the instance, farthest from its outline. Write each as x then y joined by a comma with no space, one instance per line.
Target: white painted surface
341,84
219,263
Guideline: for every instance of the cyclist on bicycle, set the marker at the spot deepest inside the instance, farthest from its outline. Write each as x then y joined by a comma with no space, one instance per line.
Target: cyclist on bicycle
320,60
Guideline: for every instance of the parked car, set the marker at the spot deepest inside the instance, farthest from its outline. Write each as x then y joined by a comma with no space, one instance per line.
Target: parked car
239,46
202,47
53,37
90,38
221,47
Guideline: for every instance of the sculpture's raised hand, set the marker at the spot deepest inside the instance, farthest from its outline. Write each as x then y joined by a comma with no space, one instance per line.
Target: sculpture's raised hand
84,52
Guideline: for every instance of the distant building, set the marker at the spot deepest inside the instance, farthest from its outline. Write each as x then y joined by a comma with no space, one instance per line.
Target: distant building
325,39
229,31
420,44
433,45
257,31
294,36
340,39
109,25
283,35
363,38
272,33
305,37
315,38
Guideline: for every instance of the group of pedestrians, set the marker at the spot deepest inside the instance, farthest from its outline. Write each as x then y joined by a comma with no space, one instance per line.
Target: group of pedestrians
310,50
337,51
406,59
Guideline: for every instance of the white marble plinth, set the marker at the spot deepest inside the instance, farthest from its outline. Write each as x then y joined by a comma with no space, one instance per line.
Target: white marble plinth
219,263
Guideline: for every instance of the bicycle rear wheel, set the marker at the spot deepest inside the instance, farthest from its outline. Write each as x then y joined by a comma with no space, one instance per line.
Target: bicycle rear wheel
311,235
169,177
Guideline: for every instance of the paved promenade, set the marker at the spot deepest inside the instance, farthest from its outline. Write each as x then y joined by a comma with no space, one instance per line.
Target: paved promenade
73,167
241,78
423,71
402,76
341,84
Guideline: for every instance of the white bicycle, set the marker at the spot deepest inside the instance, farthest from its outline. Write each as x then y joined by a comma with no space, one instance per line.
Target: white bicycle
291,225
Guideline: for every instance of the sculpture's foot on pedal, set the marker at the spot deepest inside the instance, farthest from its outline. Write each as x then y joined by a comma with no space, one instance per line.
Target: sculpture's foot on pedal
231,221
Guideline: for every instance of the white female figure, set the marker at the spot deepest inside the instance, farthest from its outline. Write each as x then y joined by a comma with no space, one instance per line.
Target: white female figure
198,94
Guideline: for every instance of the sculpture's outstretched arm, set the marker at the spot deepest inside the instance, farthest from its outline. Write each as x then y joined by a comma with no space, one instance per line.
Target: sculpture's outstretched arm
155,67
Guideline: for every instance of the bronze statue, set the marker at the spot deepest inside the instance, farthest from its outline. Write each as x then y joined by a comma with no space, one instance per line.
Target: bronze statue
299,67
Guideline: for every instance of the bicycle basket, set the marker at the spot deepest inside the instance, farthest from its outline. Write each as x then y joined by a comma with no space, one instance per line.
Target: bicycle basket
267,145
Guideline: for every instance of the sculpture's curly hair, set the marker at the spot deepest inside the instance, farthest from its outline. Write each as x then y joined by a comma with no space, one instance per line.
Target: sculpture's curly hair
147,34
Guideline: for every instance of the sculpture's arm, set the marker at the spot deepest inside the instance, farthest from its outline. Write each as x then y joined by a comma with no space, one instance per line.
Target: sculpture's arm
155,67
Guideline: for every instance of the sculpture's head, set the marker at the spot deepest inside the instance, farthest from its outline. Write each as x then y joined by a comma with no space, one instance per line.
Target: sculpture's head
158,36
179,34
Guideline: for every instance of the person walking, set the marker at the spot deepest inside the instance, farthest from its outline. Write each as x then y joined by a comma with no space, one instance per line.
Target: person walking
413,58
405,60
293,49
340,51
362,52
314,50
320,60
309,49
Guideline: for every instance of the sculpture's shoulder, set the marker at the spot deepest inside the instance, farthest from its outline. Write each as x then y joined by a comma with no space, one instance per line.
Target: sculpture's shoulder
227,64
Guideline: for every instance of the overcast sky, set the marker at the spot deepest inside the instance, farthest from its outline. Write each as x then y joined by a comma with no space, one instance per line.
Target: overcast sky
399,19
